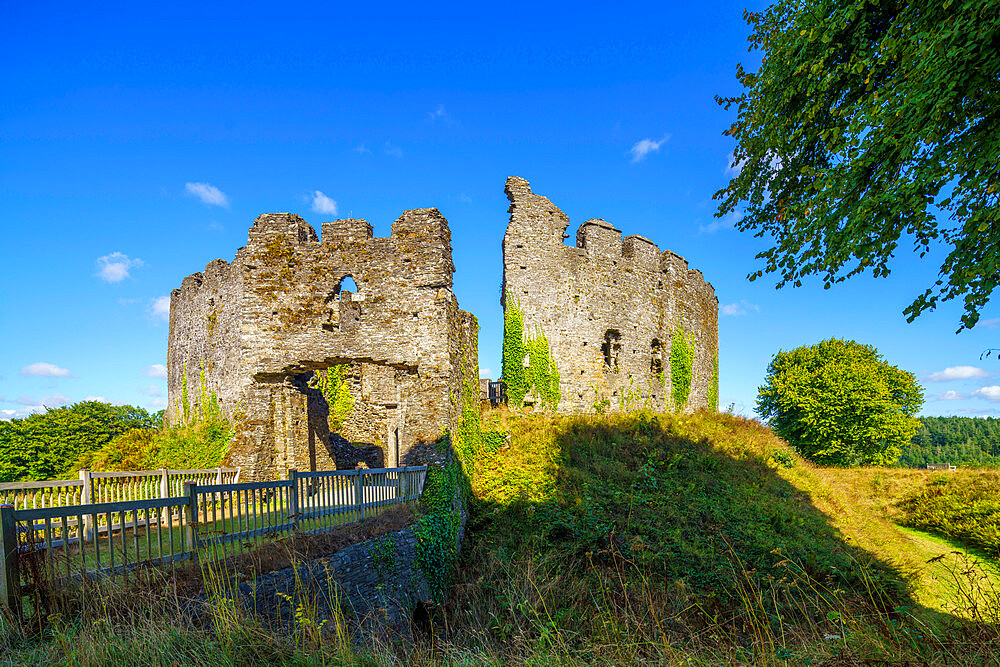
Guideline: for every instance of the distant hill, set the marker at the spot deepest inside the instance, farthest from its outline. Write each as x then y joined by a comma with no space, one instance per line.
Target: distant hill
965,441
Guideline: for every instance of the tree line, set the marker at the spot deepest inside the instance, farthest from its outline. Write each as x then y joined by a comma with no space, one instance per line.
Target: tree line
963,441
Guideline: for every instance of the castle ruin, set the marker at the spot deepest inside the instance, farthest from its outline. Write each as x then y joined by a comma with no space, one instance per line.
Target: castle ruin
605,324
250,338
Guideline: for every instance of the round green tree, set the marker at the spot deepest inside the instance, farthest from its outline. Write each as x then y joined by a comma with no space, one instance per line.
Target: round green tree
840,403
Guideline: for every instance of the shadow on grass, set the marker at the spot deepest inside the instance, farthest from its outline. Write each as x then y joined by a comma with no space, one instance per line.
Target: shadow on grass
651,530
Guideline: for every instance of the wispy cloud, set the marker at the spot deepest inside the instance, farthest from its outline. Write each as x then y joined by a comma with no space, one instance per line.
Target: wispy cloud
158,403
208,194
957,373
152,391
644,147
361,149
323,204
727,222
991,323
393,151
52,401
989,393
159,308
115,267
733,168
21,413
155,371
741,307
99,399
440,114
950,395
485,373
45,369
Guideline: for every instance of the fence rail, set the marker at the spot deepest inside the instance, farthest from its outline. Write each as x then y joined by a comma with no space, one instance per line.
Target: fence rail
102,487
206,521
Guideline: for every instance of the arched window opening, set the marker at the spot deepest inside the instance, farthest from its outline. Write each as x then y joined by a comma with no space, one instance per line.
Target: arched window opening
611,348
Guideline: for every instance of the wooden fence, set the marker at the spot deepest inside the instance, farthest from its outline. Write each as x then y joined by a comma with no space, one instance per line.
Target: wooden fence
105,487
67,543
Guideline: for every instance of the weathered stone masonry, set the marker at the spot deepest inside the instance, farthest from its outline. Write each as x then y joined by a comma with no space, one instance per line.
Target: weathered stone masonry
253,331
609,308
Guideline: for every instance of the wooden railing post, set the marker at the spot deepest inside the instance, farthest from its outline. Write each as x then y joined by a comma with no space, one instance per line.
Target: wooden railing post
87,498
164,493
10,575
191,516
359,494
293,498
402,484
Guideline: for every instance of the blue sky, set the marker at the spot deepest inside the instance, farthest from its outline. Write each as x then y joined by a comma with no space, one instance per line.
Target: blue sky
138,142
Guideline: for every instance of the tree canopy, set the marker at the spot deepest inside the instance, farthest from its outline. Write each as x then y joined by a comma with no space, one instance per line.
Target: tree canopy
869,120
47,445
840,403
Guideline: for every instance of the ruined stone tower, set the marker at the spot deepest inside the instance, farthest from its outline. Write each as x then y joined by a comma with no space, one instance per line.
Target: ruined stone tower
246,338
606,324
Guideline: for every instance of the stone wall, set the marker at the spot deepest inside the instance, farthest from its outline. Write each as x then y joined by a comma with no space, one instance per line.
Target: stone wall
250,333
609,307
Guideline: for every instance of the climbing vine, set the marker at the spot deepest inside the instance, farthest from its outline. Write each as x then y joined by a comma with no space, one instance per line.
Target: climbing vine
512,364
383,556
437,529
681,367
713,389
540,373
333,384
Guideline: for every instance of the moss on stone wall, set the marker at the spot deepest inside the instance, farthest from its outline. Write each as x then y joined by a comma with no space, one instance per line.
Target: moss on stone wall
713,389
681,367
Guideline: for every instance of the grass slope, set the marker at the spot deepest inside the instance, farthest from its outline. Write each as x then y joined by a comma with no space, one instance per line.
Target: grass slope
632,537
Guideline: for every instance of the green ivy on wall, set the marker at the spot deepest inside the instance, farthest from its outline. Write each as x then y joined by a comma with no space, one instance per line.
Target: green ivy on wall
713,389
541,372
512,364
333,384
437,529
681,367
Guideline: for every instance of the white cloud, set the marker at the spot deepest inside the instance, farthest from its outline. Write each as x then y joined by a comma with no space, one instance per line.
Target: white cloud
160,307
741,307
45,369
157,403
733,168
361,149
485,373
950,395
323,204
114,268
152,390
644,147
991,323
99,399
155,371
989,393
7,415
208,194
957,373
727,222
440,114
55,400
393,151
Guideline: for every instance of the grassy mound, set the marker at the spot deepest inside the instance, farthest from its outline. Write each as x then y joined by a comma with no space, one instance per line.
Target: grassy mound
964,508
644,530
